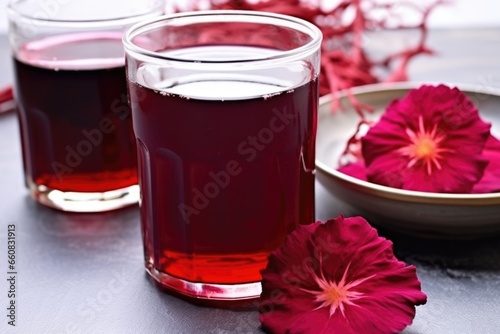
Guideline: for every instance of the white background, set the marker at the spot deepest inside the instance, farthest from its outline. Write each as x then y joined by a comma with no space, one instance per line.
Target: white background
460,13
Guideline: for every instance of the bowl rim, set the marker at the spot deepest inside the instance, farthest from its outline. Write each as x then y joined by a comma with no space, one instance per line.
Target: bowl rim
395,193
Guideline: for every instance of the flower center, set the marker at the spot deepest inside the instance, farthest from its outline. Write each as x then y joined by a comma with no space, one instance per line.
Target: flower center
337,295
425,147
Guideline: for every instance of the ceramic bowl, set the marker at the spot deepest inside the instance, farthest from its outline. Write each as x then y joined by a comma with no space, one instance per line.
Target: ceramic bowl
411,212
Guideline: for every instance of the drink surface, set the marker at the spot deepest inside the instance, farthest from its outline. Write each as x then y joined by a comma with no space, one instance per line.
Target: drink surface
75,120
226,170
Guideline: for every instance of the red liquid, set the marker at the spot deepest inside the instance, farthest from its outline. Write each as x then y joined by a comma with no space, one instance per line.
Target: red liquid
216,202
75,120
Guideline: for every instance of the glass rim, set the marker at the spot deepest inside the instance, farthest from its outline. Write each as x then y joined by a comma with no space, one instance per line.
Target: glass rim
14,14
300,52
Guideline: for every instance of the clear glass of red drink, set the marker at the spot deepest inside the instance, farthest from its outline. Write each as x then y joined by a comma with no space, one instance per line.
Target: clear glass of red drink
79,151
224,108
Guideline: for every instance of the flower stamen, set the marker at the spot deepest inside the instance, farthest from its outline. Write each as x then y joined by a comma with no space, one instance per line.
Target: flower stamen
424,147
337,295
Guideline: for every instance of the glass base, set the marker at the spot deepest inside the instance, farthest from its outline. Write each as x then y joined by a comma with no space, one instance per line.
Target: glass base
206,291
85,201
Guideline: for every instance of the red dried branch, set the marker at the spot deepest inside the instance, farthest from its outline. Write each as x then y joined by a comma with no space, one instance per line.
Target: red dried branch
6,99
6,94
345,62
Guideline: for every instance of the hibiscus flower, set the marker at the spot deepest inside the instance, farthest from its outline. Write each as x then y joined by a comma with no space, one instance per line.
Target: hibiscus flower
433,140
338,277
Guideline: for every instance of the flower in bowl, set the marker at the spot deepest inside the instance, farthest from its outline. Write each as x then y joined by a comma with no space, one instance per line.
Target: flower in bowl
432,139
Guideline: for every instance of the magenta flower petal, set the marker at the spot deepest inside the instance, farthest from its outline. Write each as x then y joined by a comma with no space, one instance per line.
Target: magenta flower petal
355,169
338,277
429,140
491,178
